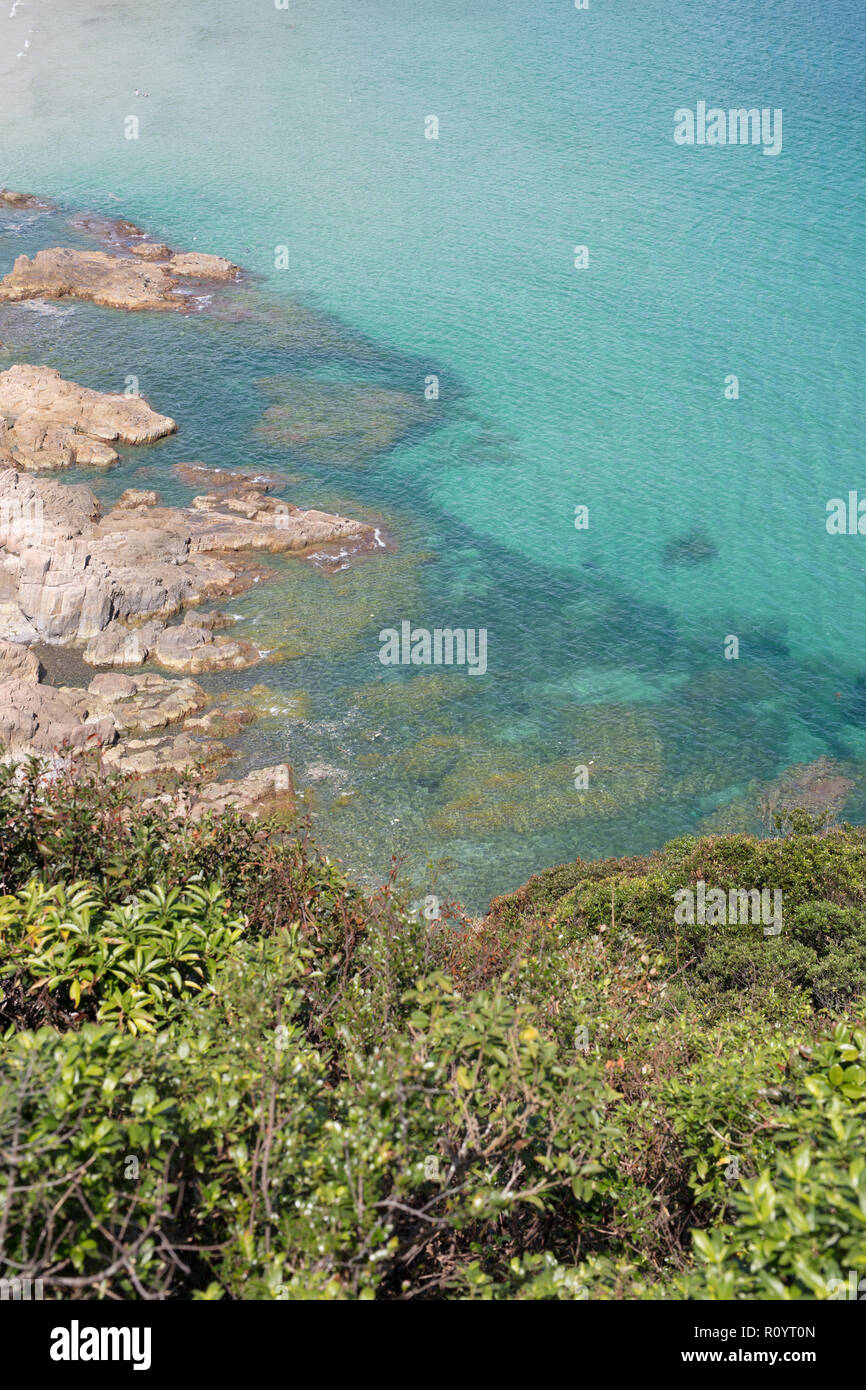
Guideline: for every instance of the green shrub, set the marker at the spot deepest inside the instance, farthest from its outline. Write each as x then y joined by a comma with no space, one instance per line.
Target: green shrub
227,1072
820,954
67,955
800,1224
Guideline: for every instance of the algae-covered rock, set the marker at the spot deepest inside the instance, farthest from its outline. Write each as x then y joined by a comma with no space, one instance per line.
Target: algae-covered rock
397,697
819,788
497,788
737,816
733,710
10,198
276,704
339,423
430,760
220,723
312,612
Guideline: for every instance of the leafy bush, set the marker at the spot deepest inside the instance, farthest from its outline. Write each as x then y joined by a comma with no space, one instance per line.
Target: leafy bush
801,1225
227,1072
820,954
66,955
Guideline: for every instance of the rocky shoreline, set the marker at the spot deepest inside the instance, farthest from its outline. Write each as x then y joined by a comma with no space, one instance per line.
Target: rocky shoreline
135,274
124,586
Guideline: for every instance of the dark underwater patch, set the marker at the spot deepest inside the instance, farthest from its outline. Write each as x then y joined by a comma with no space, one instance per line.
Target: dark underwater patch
695,548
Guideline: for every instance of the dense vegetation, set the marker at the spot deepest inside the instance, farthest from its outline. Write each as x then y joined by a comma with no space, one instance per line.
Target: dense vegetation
226,1072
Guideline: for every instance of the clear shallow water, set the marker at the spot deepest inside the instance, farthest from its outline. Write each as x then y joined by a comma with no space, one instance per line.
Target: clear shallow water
558,387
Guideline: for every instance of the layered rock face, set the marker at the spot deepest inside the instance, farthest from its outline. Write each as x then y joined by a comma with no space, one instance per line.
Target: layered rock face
18,663
73,574
41,719
117,714
262,790
131,282
184,647
57,424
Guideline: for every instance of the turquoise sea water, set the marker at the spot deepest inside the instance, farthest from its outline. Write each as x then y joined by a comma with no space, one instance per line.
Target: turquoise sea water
558,386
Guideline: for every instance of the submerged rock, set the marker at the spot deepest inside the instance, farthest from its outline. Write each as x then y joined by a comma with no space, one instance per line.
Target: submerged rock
223,723
319,614
112,231
819,788
495,787
691,549
340,423
226,479
275,706
428,693
327,772
264,789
